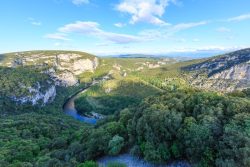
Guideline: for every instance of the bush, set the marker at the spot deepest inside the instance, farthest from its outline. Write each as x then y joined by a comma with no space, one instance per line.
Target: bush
88,164
115,145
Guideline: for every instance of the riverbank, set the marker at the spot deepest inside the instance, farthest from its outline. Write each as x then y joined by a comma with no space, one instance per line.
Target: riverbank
69,109
69,105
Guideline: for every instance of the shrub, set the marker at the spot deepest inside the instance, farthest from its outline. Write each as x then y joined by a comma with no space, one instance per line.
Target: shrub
88,164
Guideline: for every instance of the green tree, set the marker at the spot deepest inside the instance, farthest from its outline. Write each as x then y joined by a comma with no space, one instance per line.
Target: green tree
234,148
115,145
197,140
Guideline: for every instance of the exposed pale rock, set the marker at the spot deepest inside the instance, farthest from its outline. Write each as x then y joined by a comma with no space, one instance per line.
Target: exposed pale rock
65,67
225,73
139,68
161,62
68,57
153,66
238,72
83,65
36,95
66,79
62,68
117,67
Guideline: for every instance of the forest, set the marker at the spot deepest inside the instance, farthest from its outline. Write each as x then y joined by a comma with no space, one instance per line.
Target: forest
206,128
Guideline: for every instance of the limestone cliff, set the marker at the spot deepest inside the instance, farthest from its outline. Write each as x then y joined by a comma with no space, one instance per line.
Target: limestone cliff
61,67
36,95
226,73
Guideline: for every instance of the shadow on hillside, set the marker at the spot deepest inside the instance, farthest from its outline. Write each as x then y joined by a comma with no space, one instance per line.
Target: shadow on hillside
164,69
2,57
108,101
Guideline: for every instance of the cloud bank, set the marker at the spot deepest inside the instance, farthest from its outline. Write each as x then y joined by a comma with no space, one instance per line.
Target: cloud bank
92,29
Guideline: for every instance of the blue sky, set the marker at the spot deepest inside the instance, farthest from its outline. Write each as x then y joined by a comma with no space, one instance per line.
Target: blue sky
106,27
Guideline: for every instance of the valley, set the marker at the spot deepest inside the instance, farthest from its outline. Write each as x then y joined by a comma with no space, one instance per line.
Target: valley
67,108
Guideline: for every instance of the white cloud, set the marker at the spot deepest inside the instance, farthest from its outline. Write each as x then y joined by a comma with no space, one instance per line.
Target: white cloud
80,2
34,22
57,36
92,29
81,27
120,25
165,32
184,26
239,18
223,29
149,11
120,38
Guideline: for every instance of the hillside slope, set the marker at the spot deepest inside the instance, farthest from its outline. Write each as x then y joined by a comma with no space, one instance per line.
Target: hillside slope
227,72
32,77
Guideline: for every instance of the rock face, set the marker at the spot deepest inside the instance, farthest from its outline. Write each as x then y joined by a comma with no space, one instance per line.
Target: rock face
62,67
227,73
238,72
223,62
36,95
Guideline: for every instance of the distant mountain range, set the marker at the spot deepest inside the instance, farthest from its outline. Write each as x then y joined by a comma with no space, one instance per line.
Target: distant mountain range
183,56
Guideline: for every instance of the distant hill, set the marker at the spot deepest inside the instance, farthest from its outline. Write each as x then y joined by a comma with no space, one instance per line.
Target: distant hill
145,56
179,56
133,56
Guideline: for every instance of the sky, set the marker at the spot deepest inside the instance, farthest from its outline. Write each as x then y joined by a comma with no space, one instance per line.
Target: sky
108,27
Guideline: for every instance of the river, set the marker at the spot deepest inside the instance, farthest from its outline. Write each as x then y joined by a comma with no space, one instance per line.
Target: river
69,109
132,161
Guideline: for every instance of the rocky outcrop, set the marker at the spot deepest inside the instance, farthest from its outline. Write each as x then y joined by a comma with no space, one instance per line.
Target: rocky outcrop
225,73
75,63
238,72
37,95
220,63
66,78
63,67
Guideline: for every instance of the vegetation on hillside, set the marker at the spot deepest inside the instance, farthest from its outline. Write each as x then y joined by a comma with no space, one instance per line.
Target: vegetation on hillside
194,125
14,81
40,55
152,113
206,128
114,95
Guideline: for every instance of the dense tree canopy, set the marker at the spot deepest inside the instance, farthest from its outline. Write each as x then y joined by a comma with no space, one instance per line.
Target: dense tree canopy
205,128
